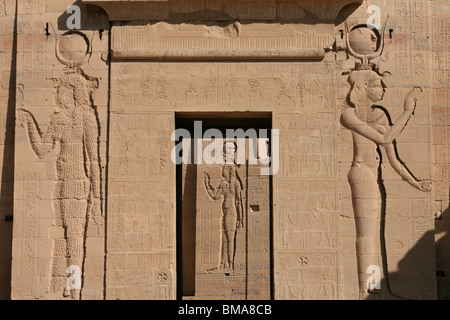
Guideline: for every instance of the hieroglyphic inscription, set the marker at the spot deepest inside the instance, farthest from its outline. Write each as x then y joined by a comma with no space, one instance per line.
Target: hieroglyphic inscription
132,232
141,208
257,85
309,143
144,143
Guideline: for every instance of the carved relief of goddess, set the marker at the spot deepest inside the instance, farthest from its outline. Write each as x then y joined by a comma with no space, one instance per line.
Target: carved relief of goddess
230,188
76,192
371,129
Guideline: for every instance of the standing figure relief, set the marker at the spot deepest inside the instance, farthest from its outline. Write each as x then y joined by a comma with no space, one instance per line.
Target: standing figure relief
76,192
230,188
371,130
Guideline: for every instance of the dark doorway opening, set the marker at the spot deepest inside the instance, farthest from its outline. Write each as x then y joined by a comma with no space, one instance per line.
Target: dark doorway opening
187,208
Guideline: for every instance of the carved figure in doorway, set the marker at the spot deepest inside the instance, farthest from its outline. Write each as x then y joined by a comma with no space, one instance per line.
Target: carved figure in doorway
230,188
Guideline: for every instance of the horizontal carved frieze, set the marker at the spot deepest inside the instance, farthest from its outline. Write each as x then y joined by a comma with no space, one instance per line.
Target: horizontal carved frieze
233,41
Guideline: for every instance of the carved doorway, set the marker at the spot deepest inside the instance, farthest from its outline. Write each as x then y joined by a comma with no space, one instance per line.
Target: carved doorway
224,211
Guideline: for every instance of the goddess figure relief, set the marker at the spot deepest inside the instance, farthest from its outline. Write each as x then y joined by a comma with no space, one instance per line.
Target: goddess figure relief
371,131
76,192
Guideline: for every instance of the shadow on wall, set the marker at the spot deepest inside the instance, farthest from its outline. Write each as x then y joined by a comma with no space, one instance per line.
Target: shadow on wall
7,177
443,255
406,282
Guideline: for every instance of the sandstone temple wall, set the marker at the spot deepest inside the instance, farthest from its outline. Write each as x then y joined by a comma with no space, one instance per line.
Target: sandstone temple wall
86,123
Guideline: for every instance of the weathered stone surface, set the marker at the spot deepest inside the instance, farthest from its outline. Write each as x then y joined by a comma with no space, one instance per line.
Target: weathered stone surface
93,205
